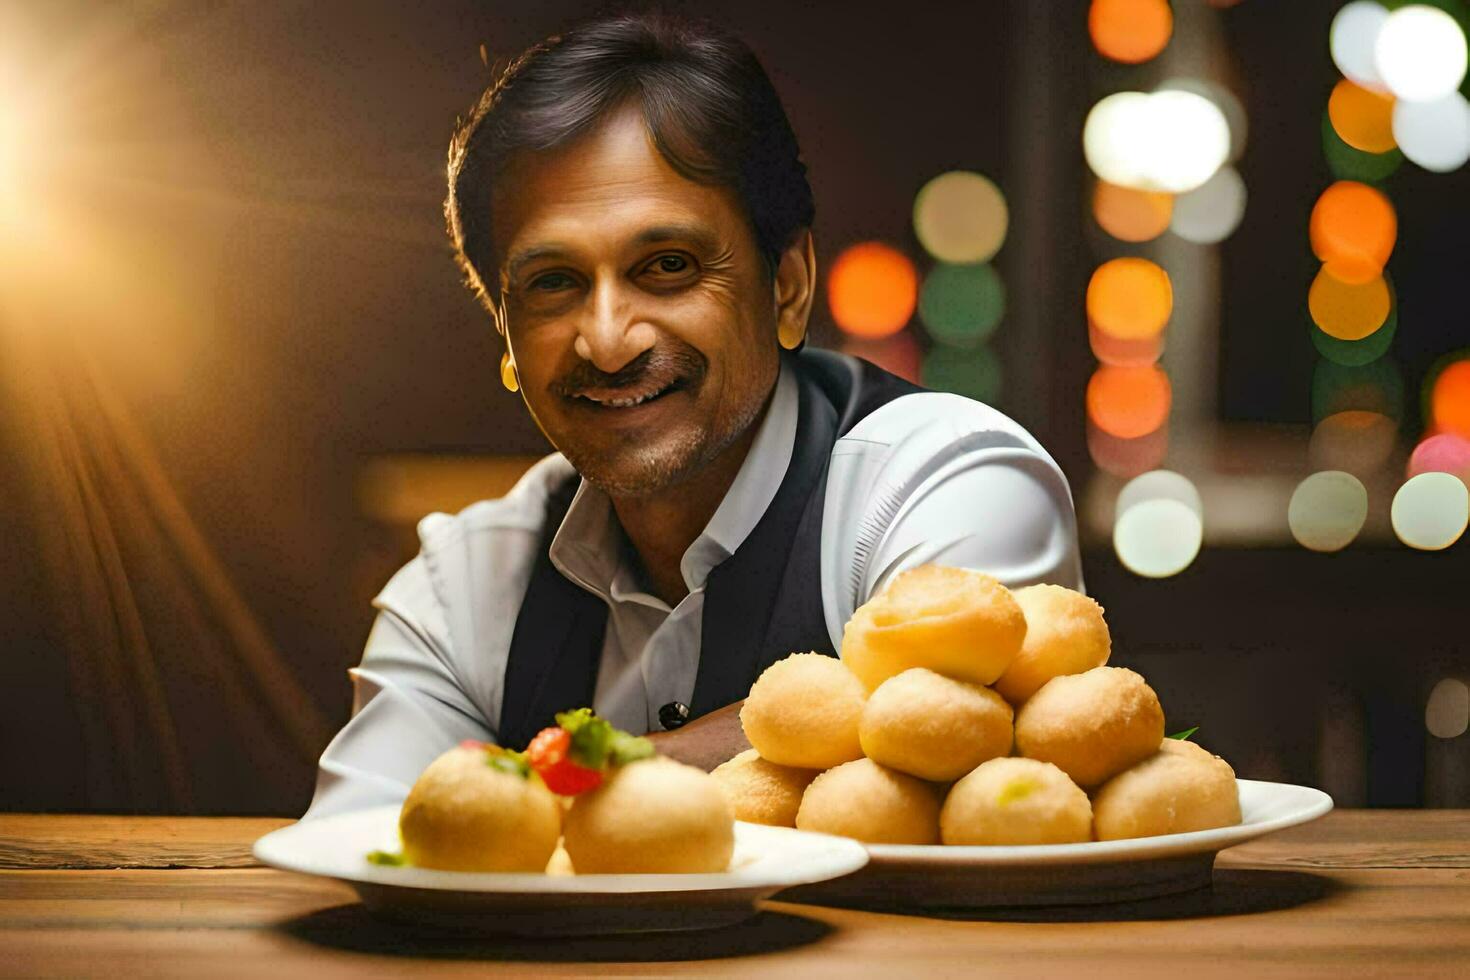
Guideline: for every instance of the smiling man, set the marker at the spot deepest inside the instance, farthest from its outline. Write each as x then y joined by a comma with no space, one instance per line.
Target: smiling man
629,203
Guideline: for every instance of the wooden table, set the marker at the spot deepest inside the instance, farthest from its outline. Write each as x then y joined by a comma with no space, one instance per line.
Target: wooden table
1358,893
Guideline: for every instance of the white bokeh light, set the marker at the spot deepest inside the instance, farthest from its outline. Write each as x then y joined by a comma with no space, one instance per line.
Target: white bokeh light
1420,53
1430,511
1191,140
1435,135
1354,36
1210,213
1158,538
1327,510
1447,712
1224,100
1159,485
1115,129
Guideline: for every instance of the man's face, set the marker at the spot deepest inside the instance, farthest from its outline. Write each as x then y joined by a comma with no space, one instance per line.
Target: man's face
639,310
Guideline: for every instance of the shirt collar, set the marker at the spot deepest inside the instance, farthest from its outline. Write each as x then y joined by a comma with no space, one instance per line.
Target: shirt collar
589,545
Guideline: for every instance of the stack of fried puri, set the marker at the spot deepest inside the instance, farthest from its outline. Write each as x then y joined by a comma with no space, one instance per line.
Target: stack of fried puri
962,712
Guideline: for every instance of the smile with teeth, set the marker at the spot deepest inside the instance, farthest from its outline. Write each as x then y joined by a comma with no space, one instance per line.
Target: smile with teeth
606,401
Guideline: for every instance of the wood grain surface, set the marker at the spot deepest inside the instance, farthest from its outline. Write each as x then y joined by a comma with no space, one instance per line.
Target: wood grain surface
1358,893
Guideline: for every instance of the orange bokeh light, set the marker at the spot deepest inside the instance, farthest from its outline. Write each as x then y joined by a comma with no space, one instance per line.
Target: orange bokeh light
1127,457
1363,118
1353,230
1131,215
1124,353
1128,402
1449,399
872,290
1130,31
1348,311
1130,298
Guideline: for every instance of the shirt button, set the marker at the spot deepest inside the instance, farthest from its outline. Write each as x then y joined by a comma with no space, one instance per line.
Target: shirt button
673,715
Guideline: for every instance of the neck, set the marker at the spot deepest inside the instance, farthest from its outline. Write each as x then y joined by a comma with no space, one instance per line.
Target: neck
662,526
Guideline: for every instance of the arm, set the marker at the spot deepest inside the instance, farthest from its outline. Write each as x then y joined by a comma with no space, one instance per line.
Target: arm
705,742
408,707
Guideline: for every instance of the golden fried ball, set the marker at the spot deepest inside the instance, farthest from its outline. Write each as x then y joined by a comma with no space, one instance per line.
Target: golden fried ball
957,622
1180,788
759,791
1065,634
467,814
803,711
934,727
1091,725
871,803
1016,801
654,816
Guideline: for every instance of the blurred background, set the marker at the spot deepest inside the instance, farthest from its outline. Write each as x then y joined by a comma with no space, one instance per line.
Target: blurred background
1212,253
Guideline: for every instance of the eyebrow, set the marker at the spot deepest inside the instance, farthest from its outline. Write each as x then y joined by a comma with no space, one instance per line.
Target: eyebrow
699,236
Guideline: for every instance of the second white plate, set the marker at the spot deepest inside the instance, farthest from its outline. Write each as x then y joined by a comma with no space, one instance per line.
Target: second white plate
960,877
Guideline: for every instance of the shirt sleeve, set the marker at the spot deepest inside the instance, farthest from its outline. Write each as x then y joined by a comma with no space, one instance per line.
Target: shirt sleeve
1003,511
408,706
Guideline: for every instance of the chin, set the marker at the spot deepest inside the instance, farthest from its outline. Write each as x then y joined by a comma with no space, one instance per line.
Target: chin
642,471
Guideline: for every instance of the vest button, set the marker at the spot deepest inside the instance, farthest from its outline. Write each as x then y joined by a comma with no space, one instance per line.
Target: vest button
673,715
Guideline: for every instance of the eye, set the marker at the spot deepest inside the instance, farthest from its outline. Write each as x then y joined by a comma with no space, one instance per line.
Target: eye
670,265
551,282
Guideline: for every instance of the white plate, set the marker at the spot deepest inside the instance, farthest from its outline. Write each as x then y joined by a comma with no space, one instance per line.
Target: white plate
766,860
1065,874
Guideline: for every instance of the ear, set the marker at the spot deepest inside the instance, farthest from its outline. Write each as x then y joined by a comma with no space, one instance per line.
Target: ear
795,288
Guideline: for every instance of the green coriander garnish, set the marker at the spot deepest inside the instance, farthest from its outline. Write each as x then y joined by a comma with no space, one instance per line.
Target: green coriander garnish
507,761
595,742
386,859
1184,735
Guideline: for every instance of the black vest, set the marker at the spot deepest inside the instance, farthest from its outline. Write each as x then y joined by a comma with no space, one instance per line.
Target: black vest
760,604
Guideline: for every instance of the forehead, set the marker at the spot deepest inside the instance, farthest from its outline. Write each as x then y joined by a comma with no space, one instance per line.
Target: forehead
600,191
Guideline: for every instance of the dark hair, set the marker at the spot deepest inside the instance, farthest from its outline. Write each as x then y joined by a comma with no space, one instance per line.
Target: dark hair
712,112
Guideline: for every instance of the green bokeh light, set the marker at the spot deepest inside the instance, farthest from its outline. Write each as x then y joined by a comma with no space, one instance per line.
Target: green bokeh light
1356,353
1375,387
1350,163
961,305
974,372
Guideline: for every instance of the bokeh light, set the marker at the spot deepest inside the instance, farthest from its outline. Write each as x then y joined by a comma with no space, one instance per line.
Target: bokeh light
962,304
1420,53
972,372
961,217
872,290
1430,511
1122,352
1159,524
1354,36
1362,117
1127,458
1449,396
1130,31
1353,441
1210,213
1224,100
1348,310
1447,712
1169,141
1375,387
1159,485
1445,452
1327,510
1353,230
1435,135
897,354
1130,298
1356,352
1128,402
1347,163
1131,215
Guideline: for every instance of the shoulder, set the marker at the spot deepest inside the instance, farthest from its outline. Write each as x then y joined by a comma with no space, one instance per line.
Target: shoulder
486,545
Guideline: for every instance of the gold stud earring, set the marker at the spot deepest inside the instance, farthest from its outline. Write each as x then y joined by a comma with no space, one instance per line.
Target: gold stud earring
791,336
508,376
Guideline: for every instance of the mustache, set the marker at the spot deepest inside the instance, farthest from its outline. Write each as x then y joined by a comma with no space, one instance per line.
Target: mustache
663,363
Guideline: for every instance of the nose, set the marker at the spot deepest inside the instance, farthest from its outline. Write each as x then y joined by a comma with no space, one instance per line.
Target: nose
610,332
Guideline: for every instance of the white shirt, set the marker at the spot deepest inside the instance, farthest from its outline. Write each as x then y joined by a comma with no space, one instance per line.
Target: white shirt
928,477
